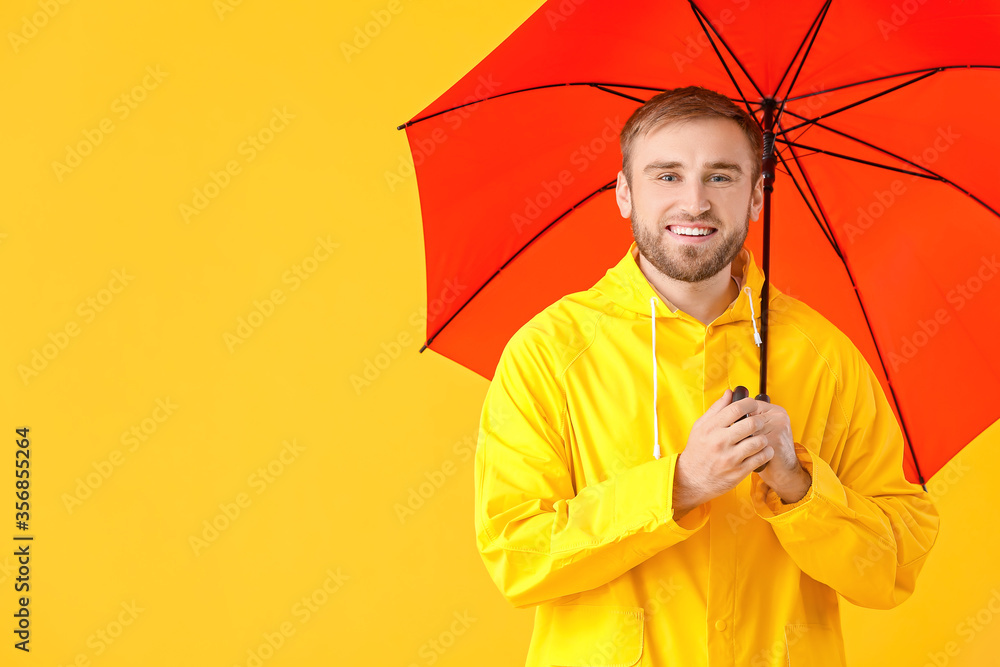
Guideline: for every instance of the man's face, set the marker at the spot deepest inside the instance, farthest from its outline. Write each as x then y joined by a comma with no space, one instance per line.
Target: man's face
690,198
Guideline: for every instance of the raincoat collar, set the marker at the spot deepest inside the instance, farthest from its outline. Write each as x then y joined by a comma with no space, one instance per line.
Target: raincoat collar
626,285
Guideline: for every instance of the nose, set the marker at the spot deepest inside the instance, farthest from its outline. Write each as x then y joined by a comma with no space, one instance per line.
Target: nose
693,199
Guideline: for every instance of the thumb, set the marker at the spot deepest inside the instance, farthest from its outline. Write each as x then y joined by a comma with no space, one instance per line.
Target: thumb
724,400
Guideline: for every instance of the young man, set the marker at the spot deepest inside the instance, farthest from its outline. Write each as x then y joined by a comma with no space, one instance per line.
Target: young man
615,486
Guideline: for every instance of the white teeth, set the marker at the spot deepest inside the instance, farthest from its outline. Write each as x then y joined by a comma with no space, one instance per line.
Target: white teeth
688,231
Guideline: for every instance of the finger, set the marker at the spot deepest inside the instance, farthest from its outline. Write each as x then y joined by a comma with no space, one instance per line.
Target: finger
734,411
758,458
761,458
724,400
740,430
749,446
771,422
763,407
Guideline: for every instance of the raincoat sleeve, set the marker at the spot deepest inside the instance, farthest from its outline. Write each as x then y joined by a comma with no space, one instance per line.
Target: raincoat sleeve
862,529
540,537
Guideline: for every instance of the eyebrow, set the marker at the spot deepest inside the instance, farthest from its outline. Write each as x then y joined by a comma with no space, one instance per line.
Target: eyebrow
721,165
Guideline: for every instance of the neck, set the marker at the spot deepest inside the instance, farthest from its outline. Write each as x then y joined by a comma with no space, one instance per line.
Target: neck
704,300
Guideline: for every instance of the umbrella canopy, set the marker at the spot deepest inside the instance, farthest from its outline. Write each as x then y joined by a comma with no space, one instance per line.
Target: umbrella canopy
884,213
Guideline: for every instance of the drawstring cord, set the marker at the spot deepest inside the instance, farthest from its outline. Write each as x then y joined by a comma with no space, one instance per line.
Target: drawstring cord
652,313
656,427
753,318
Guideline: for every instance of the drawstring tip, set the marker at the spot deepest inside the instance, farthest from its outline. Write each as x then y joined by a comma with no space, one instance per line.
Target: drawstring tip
656,451
753,318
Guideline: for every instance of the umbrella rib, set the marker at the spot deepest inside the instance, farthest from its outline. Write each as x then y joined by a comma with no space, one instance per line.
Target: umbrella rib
940,68
698,14
892,390
604,86
933,174
825,224
492,97
864,143
864,312
615,92
822,222
799,50
816,24
828,229
808,154
862,101
859,160
603,188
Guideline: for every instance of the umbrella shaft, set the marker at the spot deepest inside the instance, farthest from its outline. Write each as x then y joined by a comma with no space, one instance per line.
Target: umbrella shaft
767,171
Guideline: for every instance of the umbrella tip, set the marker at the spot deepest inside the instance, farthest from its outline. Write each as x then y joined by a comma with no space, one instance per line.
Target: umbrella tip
400,127
423,347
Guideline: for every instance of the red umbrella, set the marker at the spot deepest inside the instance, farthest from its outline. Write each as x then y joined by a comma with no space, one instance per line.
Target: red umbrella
884,214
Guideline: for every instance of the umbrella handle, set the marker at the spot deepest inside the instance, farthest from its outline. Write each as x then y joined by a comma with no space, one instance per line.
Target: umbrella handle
766,399
739,394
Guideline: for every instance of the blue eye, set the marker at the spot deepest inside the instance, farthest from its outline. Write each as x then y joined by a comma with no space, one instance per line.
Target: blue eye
666,176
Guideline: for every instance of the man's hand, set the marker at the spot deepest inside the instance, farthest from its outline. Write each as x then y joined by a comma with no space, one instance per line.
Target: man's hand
720,452
784,474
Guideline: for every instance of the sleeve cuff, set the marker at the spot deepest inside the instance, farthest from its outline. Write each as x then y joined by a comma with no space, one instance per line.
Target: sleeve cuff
768,504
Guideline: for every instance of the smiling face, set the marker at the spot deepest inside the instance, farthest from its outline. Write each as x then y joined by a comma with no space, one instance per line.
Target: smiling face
690,196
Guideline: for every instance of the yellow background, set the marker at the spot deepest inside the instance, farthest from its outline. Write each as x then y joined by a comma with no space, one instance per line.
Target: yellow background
116,578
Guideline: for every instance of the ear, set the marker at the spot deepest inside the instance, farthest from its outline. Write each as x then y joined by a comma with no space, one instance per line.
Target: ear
623,196
757,198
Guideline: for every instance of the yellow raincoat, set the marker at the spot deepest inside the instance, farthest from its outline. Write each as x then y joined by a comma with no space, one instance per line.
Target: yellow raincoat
573,512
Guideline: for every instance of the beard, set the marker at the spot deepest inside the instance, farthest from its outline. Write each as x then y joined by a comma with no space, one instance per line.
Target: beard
690,263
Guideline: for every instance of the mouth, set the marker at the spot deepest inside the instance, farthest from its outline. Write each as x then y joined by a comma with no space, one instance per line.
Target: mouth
691,232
